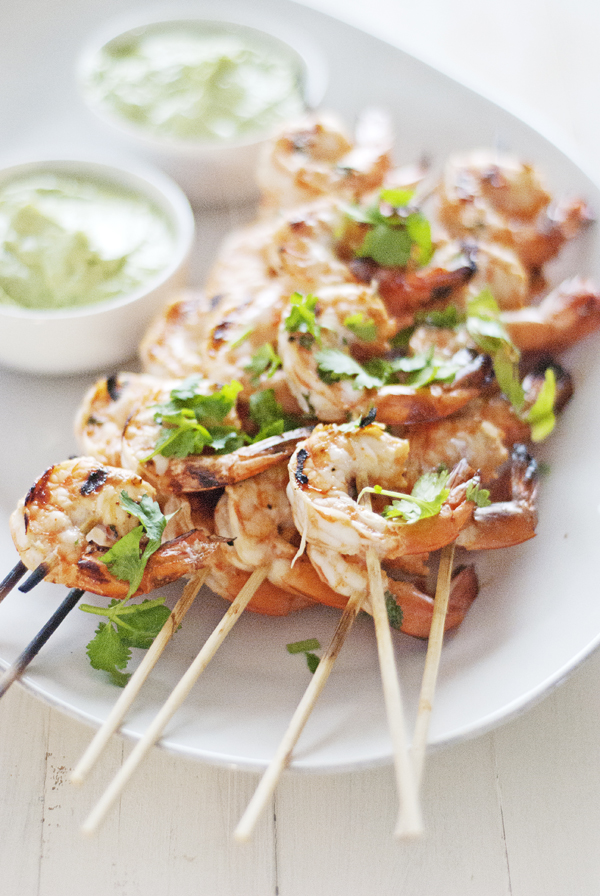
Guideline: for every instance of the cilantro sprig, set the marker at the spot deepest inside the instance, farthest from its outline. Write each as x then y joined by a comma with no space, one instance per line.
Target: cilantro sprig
418,370
397,234
264,360
128,625
426,499
302,319
191,421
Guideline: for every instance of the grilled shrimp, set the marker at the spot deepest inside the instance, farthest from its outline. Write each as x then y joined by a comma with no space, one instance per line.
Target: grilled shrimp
257,514
106,408
497,198
348,575
510,522
323,474
315,156
73,514
332,399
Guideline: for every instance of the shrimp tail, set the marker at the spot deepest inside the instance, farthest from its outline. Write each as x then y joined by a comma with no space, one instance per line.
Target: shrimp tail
417,605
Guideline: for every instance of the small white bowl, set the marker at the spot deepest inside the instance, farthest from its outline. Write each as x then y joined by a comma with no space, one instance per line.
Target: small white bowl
211,172
106,333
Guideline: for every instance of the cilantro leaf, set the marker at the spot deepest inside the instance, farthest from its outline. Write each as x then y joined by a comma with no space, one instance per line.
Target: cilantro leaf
425,500
191,421
125,558
364,328
107,652
302,319
480,496
394,612
397,234
335,365
487,331
129,625
264,360
312,661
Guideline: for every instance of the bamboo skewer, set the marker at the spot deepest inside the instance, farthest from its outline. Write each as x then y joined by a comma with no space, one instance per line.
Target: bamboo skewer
268,782
15,575
138,678
175,700
409,820
432,659
14,672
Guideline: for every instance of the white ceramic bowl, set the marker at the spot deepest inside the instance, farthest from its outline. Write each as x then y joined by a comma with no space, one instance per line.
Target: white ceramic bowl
104,334
212,173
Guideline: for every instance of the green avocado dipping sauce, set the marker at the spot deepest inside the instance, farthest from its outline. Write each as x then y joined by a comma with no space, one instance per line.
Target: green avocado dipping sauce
67,241
197,81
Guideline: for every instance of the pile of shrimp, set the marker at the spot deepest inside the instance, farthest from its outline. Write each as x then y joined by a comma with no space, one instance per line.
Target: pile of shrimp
291,502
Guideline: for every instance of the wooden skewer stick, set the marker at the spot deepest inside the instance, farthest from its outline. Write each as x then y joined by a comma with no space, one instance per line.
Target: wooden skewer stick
409,820
14,672
282,756
175,700
134,685
432,658
15,575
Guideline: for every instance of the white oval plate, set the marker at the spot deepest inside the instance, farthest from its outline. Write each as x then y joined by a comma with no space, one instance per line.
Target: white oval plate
538,613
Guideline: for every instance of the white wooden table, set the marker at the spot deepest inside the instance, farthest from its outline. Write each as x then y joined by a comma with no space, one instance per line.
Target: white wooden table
516,811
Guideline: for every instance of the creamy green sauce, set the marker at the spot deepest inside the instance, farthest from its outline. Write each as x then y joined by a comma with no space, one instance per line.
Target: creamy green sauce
69,241
193,81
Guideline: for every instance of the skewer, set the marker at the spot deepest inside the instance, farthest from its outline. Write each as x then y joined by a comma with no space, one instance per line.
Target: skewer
409,820
14,672
432,659
138,678
37,576
268,782
175,700
15,575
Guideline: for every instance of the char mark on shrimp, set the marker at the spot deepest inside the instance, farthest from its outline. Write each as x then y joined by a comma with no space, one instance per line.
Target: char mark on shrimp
300,475
113,387
94,481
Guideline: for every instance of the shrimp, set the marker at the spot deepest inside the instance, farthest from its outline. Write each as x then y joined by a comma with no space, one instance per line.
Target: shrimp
483,432
567,314
315,156
257,515
169,347
73,514
332,399
497,198
510,522
323,474
106,408
197,472
348,575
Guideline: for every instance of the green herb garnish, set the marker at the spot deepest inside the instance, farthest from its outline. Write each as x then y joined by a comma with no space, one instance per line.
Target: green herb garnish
541,414
129,625
397,234
425,500
264,360
364,328
190,421
306,647
302,319
394,612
